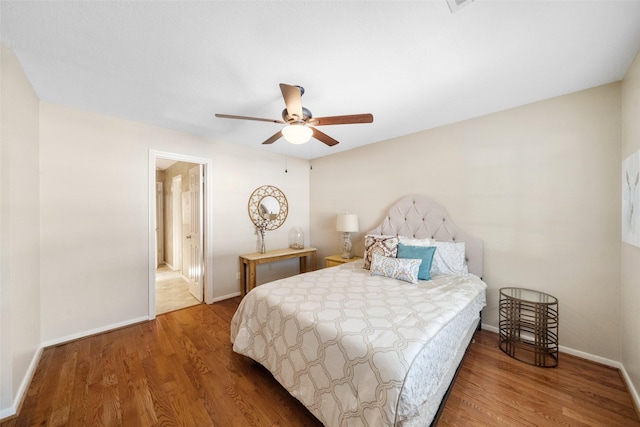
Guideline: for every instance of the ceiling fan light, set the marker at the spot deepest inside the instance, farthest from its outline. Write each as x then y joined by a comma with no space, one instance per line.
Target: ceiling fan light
297,134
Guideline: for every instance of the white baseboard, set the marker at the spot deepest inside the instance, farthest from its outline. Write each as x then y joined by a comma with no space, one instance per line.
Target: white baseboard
224,297
24,386
95,331
630,386
7,412
593,358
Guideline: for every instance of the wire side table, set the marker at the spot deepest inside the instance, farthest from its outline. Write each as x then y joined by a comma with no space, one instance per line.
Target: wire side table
529,326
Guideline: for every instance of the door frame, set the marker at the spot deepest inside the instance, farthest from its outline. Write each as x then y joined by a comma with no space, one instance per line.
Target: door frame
207,222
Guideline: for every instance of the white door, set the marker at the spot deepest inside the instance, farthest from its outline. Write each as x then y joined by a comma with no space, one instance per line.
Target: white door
159,224
176,223
192,248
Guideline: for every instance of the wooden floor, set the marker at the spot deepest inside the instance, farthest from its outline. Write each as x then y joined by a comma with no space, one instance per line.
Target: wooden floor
179,370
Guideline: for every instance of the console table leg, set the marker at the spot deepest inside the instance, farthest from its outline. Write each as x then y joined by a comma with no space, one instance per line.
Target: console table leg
243,279
252,276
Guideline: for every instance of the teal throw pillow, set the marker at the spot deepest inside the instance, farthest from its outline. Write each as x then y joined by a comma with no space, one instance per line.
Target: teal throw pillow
425,253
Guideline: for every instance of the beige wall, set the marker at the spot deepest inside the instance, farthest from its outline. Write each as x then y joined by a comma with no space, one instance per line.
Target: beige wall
630,295
95,215
540,184
19,232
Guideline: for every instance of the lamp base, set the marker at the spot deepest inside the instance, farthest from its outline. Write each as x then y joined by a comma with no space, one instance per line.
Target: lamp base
346,246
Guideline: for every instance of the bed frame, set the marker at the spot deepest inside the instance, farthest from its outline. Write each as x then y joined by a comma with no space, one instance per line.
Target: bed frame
420,217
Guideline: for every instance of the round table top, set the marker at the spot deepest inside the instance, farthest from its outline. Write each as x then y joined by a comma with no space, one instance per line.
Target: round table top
529,295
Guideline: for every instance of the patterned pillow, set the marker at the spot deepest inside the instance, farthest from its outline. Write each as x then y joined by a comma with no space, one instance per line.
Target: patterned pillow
383,245
397,268
449,258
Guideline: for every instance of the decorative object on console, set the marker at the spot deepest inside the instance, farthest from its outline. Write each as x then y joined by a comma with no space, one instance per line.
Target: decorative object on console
261,229
296,238
347,224
268,208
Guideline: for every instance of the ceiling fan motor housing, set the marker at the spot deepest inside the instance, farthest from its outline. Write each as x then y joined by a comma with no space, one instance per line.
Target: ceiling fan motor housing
306,115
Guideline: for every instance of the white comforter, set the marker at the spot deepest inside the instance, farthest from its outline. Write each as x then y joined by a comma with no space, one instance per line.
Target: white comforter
342,341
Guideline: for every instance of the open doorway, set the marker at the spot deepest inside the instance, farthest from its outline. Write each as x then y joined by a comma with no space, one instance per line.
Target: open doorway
178,273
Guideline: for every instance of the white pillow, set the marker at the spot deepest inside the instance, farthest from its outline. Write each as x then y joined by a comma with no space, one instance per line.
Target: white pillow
449,258
408,241
397,268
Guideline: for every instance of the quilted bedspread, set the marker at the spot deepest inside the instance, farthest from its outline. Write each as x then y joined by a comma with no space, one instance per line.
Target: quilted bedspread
342,341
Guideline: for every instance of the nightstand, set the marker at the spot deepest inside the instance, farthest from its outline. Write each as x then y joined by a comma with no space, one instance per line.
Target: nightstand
334,260
529,326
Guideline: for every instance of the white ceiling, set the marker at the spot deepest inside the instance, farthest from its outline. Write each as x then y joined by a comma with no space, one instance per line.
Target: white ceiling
413,65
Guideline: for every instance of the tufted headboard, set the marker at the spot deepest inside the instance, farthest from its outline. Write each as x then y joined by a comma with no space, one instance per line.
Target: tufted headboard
420,217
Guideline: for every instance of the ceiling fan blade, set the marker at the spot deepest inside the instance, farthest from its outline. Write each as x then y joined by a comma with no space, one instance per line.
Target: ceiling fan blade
342,120
229,116
273,138
323,137
293,100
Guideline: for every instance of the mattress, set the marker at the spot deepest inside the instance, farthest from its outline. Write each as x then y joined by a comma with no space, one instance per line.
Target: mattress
357,349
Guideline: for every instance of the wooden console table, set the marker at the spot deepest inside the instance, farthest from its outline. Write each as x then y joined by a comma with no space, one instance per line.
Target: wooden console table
251,260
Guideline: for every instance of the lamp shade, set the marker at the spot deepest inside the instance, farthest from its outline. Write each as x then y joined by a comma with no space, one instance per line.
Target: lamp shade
297,134
347,223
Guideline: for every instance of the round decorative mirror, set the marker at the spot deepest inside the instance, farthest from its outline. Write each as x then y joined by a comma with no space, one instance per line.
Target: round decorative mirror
268,207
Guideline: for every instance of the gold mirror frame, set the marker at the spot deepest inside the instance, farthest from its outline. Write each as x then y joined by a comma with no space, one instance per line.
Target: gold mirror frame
255,203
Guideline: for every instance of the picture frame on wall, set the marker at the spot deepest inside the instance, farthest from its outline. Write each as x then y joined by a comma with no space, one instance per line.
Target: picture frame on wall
631,199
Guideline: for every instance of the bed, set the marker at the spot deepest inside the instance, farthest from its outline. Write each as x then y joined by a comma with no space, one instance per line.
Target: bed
366,344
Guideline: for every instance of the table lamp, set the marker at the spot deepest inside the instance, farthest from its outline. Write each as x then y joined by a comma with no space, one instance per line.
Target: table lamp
347,223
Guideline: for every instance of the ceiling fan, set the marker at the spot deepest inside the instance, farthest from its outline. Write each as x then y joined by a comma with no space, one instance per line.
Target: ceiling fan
301,123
